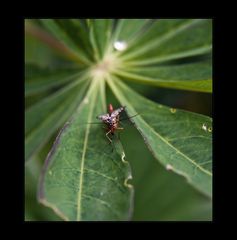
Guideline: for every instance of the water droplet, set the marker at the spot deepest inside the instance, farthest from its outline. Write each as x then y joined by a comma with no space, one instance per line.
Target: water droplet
120,45
204,127
50,172
210,129
173,110
169,167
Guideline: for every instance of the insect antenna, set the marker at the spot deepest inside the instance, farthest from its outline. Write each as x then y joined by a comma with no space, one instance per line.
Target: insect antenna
122,119
95,123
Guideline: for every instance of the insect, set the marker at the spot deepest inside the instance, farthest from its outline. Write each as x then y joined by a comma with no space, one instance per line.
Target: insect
111,119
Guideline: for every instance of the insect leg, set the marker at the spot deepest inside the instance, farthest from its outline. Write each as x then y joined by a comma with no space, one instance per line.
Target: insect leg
122,119
110,141
108,136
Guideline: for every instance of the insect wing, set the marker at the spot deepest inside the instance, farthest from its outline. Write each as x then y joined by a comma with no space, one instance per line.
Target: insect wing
103,117
116,112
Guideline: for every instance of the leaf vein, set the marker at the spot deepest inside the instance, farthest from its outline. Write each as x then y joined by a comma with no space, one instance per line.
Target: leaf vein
83,157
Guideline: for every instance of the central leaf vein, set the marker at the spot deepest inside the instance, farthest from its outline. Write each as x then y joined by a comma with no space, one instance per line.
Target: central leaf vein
84,153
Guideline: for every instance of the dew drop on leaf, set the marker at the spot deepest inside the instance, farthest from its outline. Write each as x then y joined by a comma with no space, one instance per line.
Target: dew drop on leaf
210,129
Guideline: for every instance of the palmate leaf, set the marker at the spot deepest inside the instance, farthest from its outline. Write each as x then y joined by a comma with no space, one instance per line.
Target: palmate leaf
149,42
180,140
82,181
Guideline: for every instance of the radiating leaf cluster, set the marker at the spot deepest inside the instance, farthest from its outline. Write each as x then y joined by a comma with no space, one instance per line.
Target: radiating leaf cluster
84,177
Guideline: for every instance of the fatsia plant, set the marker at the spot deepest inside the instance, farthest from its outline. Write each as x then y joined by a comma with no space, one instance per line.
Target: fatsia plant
80,180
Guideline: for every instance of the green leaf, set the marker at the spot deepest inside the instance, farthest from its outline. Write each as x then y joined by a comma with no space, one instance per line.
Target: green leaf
180,140
168,197
71,33
127,29
47,115
33,210
38,52
39,79
83,179
86,178
190,76
161,195
169,39
100,34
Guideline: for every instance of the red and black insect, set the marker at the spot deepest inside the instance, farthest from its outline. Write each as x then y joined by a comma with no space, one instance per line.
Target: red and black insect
111,120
